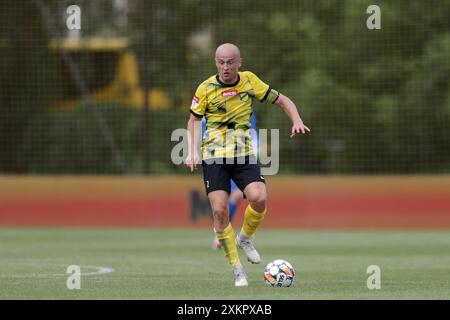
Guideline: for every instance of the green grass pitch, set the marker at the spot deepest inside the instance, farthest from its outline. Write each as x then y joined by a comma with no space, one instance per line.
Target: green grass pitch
180,264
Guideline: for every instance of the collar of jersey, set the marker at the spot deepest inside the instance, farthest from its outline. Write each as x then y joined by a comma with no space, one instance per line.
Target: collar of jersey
226,84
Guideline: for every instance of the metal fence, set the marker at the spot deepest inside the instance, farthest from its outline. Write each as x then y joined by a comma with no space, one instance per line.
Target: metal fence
104,98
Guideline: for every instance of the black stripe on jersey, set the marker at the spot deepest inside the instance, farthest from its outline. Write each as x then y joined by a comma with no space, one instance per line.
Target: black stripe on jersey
196,114
228,85
267,93
276,98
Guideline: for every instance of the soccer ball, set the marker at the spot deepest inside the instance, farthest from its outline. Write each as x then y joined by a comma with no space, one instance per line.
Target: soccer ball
279,273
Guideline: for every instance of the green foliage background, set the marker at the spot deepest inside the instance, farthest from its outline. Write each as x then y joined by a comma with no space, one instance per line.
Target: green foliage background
377,101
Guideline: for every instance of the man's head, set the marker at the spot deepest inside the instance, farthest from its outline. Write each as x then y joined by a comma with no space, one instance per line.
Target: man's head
228,61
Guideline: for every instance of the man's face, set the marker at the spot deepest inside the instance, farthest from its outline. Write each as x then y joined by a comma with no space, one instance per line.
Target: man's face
228,67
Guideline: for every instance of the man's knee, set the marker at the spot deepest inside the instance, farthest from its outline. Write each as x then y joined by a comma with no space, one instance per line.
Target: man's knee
258,200
259,204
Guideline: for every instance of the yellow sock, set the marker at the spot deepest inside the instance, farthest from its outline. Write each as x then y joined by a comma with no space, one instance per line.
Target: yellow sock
228,245
252,219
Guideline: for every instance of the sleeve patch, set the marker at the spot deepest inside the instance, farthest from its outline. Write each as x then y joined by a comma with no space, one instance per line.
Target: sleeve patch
195,101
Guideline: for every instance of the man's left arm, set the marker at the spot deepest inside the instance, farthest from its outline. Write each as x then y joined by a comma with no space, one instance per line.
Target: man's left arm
291,110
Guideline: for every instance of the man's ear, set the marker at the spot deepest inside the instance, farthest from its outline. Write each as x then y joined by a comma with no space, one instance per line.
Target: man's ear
240,63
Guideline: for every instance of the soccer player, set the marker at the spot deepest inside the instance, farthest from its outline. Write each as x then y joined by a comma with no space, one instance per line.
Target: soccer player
225,100
236,195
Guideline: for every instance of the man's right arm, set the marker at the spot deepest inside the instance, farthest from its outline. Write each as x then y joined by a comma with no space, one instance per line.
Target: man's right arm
197,111
194,130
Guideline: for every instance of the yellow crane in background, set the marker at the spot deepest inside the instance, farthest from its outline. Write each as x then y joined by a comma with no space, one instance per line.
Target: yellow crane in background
113,74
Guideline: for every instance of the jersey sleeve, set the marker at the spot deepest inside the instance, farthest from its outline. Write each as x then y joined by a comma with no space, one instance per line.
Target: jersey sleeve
198,105
263,92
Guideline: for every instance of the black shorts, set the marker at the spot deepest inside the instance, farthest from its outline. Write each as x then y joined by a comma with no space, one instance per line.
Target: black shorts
216,176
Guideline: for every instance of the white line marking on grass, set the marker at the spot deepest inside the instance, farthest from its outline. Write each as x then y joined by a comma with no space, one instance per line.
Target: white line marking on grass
99,270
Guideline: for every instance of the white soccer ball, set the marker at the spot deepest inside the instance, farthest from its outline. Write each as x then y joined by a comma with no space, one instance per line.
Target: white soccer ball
279,273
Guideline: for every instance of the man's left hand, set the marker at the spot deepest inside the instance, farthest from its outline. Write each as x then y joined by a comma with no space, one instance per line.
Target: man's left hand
297,128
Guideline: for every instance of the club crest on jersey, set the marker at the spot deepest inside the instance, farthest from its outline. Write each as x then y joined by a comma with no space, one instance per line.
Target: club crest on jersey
229,93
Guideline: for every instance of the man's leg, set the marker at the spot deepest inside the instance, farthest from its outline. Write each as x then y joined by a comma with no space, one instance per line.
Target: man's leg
235,198
256,194
225,233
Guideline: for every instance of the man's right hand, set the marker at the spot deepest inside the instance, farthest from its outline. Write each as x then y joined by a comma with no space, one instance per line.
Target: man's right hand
191,161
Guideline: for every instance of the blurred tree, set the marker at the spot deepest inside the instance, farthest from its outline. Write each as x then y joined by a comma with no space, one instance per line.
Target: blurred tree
377,101
27,69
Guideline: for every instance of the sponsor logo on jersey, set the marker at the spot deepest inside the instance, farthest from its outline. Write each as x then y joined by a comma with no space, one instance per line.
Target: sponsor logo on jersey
229,93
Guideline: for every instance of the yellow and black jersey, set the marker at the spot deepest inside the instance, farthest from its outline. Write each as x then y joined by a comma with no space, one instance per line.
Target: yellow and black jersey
227,109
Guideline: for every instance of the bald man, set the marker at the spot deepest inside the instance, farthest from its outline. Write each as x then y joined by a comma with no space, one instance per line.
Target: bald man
226,102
